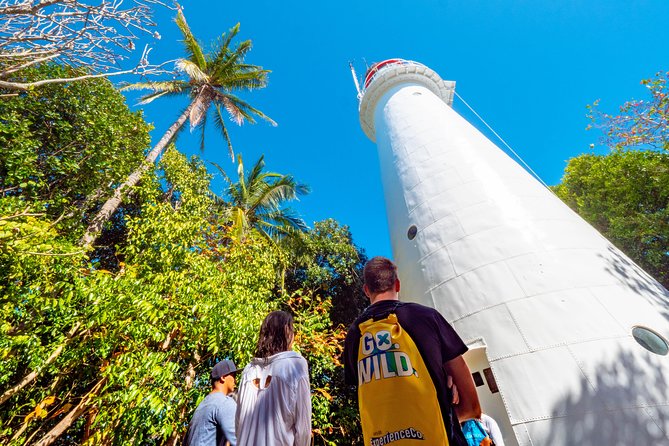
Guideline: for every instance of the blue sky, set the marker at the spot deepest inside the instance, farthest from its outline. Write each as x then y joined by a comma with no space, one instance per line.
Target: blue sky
529,68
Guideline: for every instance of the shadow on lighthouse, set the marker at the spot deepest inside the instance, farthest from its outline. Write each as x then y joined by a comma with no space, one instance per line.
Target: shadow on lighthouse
638,280
625,393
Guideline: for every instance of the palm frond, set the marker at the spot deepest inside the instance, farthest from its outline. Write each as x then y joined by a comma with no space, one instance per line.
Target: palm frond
223,47
192,70
242,49
240,80
240,174
148,98
273,195
282,223
289,219
220,125
228,61
255,176
273,233
201,127
302,189
191,45
232,189
225,176
156,86
231,34
235,113
244,109
260,197
222,212
239,223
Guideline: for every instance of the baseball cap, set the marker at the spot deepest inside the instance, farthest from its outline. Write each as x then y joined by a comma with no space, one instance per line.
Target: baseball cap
223,368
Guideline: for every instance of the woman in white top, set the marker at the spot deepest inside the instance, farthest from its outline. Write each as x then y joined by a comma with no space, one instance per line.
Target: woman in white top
274,401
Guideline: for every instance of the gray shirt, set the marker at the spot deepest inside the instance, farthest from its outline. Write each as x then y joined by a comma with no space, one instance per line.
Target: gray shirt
213,422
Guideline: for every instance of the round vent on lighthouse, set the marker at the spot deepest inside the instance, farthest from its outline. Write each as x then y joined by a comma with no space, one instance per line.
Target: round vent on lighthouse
650,340
411,233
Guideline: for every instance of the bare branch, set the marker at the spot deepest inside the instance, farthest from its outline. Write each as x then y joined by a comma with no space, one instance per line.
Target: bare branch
11,70
95,37
142,69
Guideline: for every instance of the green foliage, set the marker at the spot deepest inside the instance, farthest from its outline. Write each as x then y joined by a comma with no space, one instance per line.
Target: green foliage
323,279
325,261
624,195
150,332
36,266
62,145
137,344
115,346
256,202
334,404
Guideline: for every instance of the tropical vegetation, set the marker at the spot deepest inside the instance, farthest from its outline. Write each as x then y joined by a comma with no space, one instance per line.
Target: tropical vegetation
112,344
211,80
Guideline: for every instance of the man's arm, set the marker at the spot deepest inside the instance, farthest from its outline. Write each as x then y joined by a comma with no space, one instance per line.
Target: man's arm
225,418
469,406
350,356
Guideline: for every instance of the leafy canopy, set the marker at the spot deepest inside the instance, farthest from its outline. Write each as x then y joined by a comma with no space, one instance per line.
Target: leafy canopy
63,145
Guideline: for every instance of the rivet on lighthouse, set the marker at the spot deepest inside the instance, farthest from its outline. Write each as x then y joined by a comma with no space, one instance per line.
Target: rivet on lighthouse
567,335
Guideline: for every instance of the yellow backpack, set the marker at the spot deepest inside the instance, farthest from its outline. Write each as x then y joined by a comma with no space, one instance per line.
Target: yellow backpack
397,399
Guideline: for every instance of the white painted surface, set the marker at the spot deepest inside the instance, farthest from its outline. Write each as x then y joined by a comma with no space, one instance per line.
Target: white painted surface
507,262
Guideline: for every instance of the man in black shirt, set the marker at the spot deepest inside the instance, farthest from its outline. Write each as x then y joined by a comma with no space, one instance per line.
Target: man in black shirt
440,350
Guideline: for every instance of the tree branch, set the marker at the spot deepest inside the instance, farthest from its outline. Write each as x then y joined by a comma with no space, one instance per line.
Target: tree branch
30,377
71,417
72,32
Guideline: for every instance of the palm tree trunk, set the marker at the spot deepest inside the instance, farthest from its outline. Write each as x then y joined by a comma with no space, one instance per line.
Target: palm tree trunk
112,204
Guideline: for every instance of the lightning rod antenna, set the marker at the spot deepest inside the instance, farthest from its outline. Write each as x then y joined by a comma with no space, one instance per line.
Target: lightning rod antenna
355,80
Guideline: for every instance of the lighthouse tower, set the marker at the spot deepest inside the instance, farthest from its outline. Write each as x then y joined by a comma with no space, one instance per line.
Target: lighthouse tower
567,335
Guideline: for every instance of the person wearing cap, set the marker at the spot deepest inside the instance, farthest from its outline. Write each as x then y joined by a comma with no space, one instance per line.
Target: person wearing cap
213,423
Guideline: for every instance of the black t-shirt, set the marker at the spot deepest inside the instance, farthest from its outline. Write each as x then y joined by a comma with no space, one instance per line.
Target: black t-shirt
434,337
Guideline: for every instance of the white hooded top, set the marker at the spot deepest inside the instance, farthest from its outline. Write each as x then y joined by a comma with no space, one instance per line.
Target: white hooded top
274,402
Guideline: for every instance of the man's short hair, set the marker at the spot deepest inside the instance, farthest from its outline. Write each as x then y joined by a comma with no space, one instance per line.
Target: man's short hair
380,275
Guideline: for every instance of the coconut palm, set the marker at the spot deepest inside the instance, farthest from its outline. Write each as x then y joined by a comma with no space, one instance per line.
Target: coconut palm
211,80
257,199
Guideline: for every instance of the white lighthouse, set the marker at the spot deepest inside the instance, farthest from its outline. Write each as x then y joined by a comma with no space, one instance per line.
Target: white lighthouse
567,335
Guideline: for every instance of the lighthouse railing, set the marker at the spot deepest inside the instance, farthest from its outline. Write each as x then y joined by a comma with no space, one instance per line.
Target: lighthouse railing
378,68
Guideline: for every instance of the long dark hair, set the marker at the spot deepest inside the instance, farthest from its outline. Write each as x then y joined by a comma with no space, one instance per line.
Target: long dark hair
276,333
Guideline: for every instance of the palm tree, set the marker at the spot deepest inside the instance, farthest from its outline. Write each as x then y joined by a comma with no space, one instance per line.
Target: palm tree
211,80
257,201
